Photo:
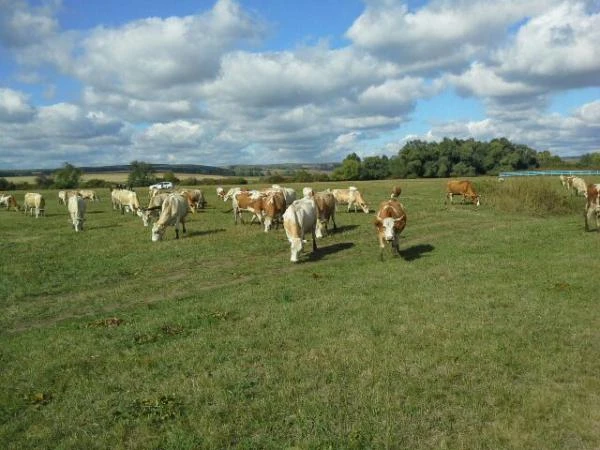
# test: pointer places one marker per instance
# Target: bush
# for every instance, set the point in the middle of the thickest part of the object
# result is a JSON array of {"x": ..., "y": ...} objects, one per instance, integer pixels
[{"x": 536, "y": 196}]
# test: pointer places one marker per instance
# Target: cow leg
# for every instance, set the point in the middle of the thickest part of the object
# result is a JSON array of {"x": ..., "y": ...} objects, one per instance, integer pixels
[
  {"x": 183, "y": 226},
  {"x": 314, "y": 238}
]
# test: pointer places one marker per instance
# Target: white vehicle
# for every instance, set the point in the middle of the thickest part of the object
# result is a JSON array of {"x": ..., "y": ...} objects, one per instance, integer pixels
[{"x": 162, "y": 185}]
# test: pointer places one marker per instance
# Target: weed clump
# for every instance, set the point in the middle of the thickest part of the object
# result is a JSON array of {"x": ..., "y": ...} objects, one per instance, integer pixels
[{"x": 534, "y": 196}]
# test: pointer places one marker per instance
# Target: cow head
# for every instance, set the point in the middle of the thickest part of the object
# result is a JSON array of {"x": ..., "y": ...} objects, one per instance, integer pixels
[
  {"x": 475, "y": 199},
  {"x": 321, "y": 229},
  {"x": 158, "y": 232},
  {"x": 388, "y": 227},
  {"x": 78, "y": 224}
]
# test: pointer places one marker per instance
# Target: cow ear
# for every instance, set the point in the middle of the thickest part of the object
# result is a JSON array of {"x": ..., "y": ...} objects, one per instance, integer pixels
[{"x": 377, "y": 222}]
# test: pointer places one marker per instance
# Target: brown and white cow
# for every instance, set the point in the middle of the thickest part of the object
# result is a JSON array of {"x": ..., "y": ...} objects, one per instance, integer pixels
[
  {"x": 351, "y": 197},
  {"x": 325, "y": 201},
  {"x": 592, "y": 205},
  {"x": 389, "y": 223},
  {"x": 272, "y": 207},
  {"x": 396, "y": 191},
  {"x": 76, "y": 207},
  {"x": 9, "y": 201},
  {"x": 463, "y": 188},
  {"x": 242, "y": 200},
  {"x": 173, "y": 212},
  {"x": 299, "y": 219},
  {"x": 195, "y": 199},
  {"x": 34, "y": 201}
]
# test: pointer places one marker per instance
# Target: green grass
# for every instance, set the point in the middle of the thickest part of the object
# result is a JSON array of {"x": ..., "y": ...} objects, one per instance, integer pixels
[{"x": 484, "y": 333}]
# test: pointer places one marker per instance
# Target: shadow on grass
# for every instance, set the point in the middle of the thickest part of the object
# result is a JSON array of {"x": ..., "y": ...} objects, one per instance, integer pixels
[
  {"x": 205, "y": 232},
  {"x": 342, "y": 229},
  {"x": 94, "y": 227},
  {"x": 416, "y": 251},
  {"x": 329, "y": 250}
]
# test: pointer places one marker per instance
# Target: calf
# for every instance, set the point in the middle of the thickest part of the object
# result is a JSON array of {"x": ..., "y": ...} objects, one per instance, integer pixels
[
  {"x": 76, "y": 207},
  {"x": 300, "y": 218},
  {"x": 325, "y": 202},
  {"x": 592, "y": 205},
  {"x": 461, "y": 187},
  {"x": 389, "y": 223},
  {"x": 34, "y": 201},
  {"x": 173, "y": 212}
]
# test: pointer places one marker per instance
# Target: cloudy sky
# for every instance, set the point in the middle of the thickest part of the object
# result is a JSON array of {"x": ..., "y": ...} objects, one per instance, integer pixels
[{"x": 222, "y": 82}]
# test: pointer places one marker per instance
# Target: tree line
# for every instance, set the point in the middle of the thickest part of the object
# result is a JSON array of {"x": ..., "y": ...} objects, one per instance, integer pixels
[{"x": 416, "y": 159}]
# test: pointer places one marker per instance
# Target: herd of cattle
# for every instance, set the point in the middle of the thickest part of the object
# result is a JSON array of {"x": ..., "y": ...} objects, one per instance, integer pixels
[{"x": 310, "y": 214}]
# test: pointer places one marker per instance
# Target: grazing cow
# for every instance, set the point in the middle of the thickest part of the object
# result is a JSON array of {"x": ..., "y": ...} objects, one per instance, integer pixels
[
  {"x": 272, "y": 208},
  {"x": 220, "y": 192},
  {"x": 563, "y": 181},
  {"x": 34, "y": 201},
  {"x": 351, "y": 197},
  {"x": 195, "y": 199},
  {"x": 396, "y": 191},
  {"x": 461, "y": 187},
  {"x": 325, "y": 202},
  {"x": 9, "y": 201},
  {"x": 62, "y": 197},
  {"x": 173, "y": 212},
  {"x": 123, "y": 198},
  {"x": 579, "y": 186},
  {"x": 389, "y": 223},
  {"x": 152, "y": 211},
  {"x": 592, "y": 205},
  {"x": 76, "y": 207},
  {"x": 300, "y": 218},
  {"x": 88, "y": 194}
]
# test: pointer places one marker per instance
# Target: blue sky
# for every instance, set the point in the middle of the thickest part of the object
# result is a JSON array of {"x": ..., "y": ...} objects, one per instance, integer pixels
[{"x": 226, "y": 82}]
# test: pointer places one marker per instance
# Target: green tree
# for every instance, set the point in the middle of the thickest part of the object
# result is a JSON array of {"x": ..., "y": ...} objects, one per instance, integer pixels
[
  {"x": 349, "y": 170},
  {"x": 547, "y": 159},
  {"x": 68, "y": 177},
  {"x": 43, "y": 181},
  {"x": 170, "y": 176},
  {"x": 141, "y": 174},
  {"x": 375, "y": 168}
]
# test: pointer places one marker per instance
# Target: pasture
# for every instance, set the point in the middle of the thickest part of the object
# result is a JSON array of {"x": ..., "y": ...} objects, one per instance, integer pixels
[{"x": 483, "y": 333}]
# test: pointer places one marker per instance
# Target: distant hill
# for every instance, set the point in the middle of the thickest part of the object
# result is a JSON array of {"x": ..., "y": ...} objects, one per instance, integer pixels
[
  {"x": 231, "y": 170},
  {"x": 180, "y": 168}
]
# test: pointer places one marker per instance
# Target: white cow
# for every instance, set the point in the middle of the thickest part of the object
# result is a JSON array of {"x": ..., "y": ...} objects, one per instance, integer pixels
[
  {"x": 34, "y": 201},
  {"x": 76, "y": 207},
  {"x": 89, "y": 194},
  {"x": 288, "y": 193},
  {"x": 173, "y": 212},
  {"x": 9, "y": 201},
  {"x": 123, "y": 198},
  {"x": 152, "y": 211},
  {"x": 579, "y": 186},
  {"x": 300, "y": 218},
  {"x": 352, "y": 197}
]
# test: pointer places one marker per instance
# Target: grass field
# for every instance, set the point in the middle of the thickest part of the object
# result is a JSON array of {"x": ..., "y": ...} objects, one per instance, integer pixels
[{"x": 484, "y": 333}]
